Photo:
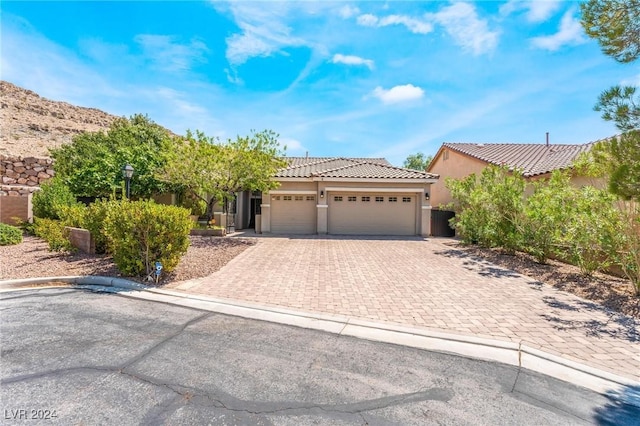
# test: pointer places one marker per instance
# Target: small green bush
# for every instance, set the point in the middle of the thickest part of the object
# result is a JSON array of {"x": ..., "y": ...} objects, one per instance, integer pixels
[
  {"x": 53, "y": 232},
  {"x": 141, "y": 233},
  {"x": 49, "y": 201},
  {"x": 9, "y": 235},
  {"x": 94, "y": 222}
]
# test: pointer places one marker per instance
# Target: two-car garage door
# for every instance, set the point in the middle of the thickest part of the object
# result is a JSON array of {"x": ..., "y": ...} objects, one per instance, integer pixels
[
  {"x": 349, "y": 213},
  {"x": 372, "y": 213}
]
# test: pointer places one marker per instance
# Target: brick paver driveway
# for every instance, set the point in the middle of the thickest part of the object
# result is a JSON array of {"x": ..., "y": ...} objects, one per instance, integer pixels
[{"x": 426, "y": 283}]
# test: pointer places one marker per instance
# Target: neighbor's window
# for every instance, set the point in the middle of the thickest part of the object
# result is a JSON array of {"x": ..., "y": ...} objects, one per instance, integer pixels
[
  {"x": 311, "y": 197},
  {"x": 337, "y": 198},
  {"x": 275, "y": 197},
  {"x": 299, "y": 198},
  {"x": 366, "y": 199},
  {"x": 286, "y": 197},
  {"x": 393, "y": 199},
  {"x": 379, "y": 199},
  {"x": 445, "y": 155},
  {"x": 406, "y": 199},
  {"x": 352, "y": 198}
]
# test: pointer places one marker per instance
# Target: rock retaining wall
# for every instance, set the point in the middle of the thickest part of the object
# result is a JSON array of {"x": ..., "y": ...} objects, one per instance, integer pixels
[{"x": 25, "y": 171}]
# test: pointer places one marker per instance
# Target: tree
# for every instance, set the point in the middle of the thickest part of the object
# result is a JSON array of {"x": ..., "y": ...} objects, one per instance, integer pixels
[
  {"x": 91, "y": 165},
  {"x": 417, "y": 161},
  {"x": 214, "y": 171},
  {"x": 620, "y": 105},
  {"x": 616, "y": 26}
]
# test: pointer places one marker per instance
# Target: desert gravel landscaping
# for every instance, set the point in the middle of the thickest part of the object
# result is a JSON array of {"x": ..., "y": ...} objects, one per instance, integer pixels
[{"x": 32, "y": 259}]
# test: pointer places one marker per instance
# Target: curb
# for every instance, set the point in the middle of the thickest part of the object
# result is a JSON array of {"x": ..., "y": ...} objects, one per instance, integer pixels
[{"x": 506, "y": 352}]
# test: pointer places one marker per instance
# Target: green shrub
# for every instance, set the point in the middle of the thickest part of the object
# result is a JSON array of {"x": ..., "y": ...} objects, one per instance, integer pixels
[
  {"x": 141, "y": 233},
  {"x": 94, "y": 222},
  {"x": 489, "y": 208},
  {"x": 53, "y": 196},
  {"x": 9, "y": 235},
  {"x": 547, "y": 212},
  {"x": 53, "y": 232}
]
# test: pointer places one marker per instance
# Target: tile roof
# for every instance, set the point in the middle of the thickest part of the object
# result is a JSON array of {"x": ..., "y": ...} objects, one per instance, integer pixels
[
  {"x": 532, "y": 159},
  {"x": 338, "y": 167}
]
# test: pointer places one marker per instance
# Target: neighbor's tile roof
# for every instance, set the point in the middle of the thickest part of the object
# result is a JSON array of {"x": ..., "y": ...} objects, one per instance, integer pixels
[
  {"x": 368, "y": 168},
  {"x": 532, "y": 159}
]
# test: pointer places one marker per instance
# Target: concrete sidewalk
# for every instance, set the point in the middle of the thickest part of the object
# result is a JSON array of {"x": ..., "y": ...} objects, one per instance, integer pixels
[{"x": 427, "y": 284}]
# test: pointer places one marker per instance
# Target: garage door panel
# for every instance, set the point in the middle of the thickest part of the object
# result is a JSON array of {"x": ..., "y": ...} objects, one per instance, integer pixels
[
  {"x": 293, "y": 214},
  {"x": 372, "y": 214}
]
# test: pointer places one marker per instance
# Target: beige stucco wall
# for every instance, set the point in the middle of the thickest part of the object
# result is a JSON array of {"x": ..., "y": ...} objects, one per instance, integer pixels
[{"x": 456, "y": 166}]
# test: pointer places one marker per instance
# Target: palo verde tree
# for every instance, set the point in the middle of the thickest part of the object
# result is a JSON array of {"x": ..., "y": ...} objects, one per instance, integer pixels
[
  {"x": 213, "y": 171},
  {"x": 91, "y": 165},
  {"x": 418, "y": 161}
]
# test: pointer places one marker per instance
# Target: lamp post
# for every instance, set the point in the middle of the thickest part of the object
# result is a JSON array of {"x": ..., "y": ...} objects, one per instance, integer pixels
[{"x": 127, "y": 172}]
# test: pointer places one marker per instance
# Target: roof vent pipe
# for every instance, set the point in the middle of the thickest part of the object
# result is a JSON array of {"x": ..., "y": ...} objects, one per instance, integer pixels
[{"x": 547, "y": 138}]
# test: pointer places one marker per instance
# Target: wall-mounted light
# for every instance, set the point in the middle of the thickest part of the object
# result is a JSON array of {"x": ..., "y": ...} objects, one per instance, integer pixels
[
  {"x": 426, "y": 195},
  {"x": 321, "y": 194}
]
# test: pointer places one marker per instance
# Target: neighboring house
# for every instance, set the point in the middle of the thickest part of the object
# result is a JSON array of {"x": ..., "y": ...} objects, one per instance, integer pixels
[
  {"x": 536, "y": 161},
  {"x": 348, "y": 196}
]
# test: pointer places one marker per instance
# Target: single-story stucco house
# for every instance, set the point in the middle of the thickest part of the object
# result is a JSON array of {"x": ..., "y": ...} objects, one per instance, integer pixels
[
  {"x": 536, "y": 161},
  {"x": 345, "y": 196}
]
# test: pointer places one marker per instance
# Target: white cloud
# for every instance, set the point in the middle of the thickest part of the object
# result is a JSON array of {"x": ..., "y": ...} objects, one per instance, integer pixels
[
  {"x": 294, "y": 147},
  {"x": 397, "y": 94},
  {"x": 367, "y": 20},
  {"x": 414, "y": 25},
  {"x": 537, "y": 11},
  {"x": 169, "y": 55},
  {"x": 348, "y": 11},
  {"x": 263, "y": 30},
  {"x": 352, "y": 60},
  {"x": 570, "y": 32},
  {"x": 462, "y": 23}
]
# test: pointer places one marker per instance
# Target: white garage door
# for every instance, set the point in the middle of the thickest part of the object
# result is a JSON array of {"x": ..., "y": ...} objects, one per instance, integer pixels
[
  {"x": 372, "y": 214},
  {"x": 293, "y": 214}
]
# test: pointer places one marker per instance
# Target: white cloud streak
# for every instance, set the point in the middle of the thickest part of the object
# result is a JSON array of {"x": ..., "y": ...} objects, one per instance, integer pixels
[
  {"x": 461, "y": 22},
  {"x": 168, "y": 55},
  {"x": 398, "y": 94},
  {"x": 352, "y": 60},
  {"x": 414, "y": 25},
  {"x": 537, "y": 11},
  {"x": 569, "y": 33},
  {"x": 348, "y": 11}
]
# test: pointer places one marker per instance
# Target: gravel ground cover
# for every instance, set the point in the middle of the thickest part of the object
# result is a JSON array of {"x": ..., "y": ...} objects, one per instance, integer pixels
[{"x": 32, "y": 259}]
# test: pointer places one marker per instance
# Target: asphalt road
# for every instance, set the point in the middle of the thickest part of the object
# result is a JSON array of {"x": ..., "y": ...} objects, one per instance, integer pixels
[{"x": 97, "y": 358}]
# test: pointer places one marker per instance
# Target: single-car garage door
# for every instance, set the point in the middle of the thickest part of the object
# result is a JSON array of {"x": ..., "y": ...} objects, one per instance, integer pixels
[
  {"x": 372, "y": 214},
  {"x": 293, "y": 214}
]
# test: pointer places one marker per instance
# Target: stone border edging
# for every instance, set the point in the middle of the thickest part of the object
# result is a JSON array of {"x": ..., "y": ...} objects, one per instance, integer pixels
[{"x": 511, "y": 353}]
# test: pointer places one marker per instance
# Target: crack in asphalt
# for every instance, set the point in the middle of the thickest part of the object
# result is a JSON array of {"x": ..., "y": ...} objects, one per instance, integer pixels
[{"x": 159, "y": 344}]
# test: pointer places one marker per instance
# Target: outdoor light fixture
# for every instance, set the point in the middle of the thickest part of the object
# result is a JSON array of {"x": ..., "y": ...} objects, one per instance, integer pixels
[
  {"x": 426, "y": 195},
  {"x": 127, "y": 172},
  {"x": 321, "y": 194}
]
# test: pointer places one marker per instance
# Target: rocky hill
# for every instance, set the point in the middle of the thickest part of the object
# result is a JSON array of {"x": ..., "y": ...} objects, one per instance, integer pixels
[{"x": 31, "y": 124}]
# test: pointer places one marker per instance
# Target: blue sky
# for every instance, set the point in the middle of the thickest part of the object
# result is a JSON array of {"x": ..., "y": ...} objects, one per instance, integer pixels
[{"x": 332, "y": 78}]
